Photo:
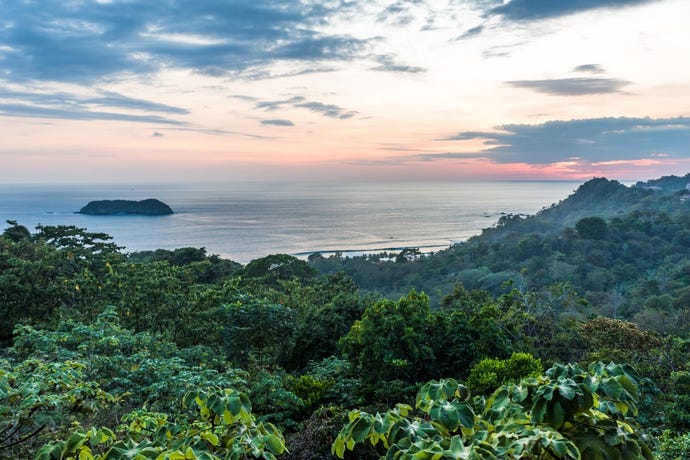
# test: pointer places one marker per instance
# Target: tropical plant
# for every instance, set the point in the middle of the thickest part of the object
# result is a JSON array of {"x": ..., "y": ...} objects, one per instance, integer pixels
[
  {"x": 224, "y": 428},
  {"x": 569, "y": 413},
  {"x": 38, "y": 397}
]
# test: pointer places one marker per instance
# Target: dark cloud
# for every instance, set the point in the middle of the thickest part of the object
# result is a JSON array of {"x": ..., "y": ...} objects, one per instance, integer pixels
[
  {"x": 417, "y": 158},
  {"x": 270, "y": 106},
  {"x": 84, "y": 42},
  {"x": 589, "y": 68},
  {"x": 399, "y": 13},
  {"x": 157, "y": 134},
  {"x": 110, "y": 99},
  {"x": 263, "y": 73},
  {"x": 327, "y": 110},
  {"x": 243, "y": 97},
  {"x": 277, "y": 122},
  {"x": 572, "y": 86},
  {"x": 69, "y": 113},
  {"x": 528, "y": 10},
  {"x": 80, "y": 107},
  {"x": 311, "y": 47},
  {"x": 387, "y": 63},
  {"x": 597, "y": 139},
  {"x": 473, "y": 32}
]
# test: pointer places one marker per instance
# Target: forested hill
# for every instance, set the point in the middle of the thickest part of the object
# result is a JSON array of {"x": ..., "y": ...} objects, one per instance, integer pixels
[
  {"x": 667, "y": 183},
  {"x": 603, "y": 198},
  {"x": 624, "y": 249}
]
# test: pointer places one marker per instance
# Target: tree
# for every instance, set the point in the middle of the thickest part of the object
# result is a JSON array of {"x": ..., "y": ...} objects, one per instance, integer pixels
[
  {"x": 490, "y": 373},
  {"x": 16, "y": 232},
  {"x": 255, "y": 332},
  {"x": 593, "y": 228},
  {"x": 270, "y": 270},
  {"x": 142, "y": 368},
  {"x": 616, "y": 339},
  {"x": 392, "y": 341}
]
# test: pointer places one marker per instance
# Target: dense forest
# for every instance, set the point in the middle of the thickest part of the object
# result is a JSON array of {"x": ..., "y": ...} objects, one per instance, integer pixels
[{"x": 561, "y": 335}]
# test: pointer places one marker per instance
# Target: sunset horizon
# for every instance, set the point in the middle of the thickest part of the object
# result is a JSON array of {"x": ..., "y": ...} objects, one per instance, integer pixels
[{"x": 128, "y": 91}]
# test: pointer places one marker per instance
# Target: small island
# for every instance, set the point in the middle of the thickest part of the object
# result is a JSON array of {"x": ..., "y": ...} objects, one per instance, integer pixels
[{"x": 149, "y": 207}]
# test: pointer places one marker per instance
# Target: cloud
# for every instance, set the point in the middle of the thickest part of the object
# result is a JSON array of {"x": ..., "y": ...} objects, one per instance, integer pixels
[
  {"x": 220, "y": 132},
  {"x": 589, "y": 68},
  {"x": 529, "y": 10},
  {"x": 387, "y": 63},
  {"x": 270, "y": 106},
  {"x": 277, "y": 122},
  {"x": 327, "y": 110},
  {"x": 593, "y": 140},
  {"x": 87, "y": 42},
  {"x": 265, "y": 73},
  {"x": 399, "y": 13},
  {"x": 65, "y": 105},
  {"x": 31, "y": 111},
  {"x": 243, "y": 97},
  {"x": 111, "y": 99},
  {"x": 473, "y": 32},
  {"x": 572, "y": 86},
  {"x": 101, "y": 98},
  {"x": 417, "y": 158},
  {"x": 157, "y": 134},
  {"x": 503, "y": 50}
]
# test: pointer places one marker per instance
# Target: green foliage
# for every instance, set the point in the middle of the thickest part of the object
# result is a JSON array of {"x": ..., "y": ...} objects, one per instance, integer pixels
[
  {"x": 678, "y": 406},
  {"x": 621, "y": 262},
  {"x": 490, "y": 373},
  {"x": 207, "y": 269},
  {"x": 16, "y": 232},
  {"x": 617, "y": 339},
  {"x": 570, "y": 413},
  {"x": 150, "y": 327},
  {"x": 392, "y": 340},
  {"x": 255, "y": 332},
  {"x": 223, "y": 428},
  {"x": 148, "y": 370},
  {"x": 593, "y": 228},
  {"x": 310, "y": 389},
  {"x": 37, "y": 398},
  {"x": 344, "y": 388},
  {"x": 672, "y": 447},
  {"x": 487, "y": 375},
  {"x": 313, "y": 441},
  {"x": 273, "y": 400},
  {"x": 522, "y": 365},
  {"x": 325, "y": 312},
  {"x": 270, "y": 270}
]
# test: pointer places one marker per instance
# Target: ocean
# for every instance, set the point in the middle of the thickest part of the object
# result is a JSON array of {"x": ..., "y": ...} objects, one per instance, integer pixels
[{"x": 244, "y": 221}]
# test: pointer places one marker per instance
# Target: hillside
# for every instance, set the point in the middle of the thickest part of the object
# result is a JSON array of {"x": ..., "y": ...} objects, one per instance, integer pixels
[{"x": 625, "y": 249}]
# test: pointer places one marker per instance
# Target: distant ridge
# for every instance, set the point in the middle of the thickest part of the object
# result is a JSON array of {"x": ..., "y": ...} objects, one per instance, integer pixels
[
  {"x": 149, "y": 207},
  {"x": 598, "y": 197}
]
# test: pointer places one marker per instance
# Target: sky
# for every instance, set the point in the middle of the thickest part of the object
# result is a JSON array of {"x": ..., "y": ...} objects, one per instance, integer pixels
[{"x": 233, "y": 90}]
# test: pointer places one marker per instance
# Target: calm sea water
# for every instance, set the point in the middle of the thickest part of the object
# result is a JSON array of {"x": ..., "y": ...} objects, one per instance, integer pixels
[{"x": 243, "y": 221}]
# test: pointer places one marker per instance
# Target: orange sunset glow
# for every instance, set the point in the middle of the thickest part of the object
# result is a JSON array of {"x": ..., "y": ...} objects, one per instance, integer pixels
[{"x": 433, "y": 89}]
